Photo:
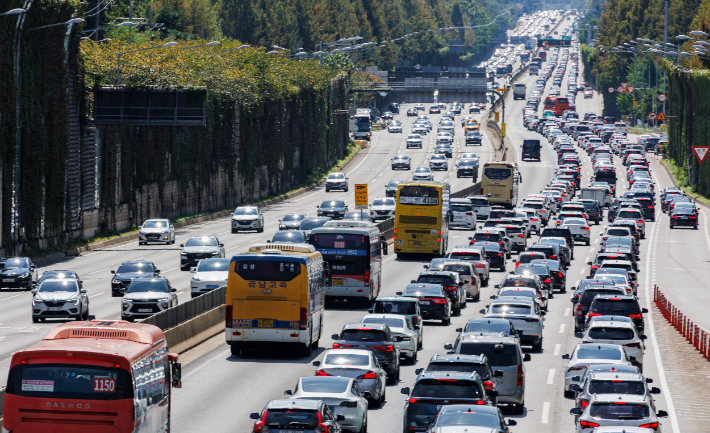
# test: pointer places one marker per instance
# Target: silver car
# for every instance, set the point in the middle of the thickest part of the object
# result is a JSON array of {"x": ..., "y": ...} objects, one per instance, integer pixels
[
  {"x": 612, "y": 382},
  {"x": 475, "y": 255},
  {"x": 146, "y": 296},
  {"x": 438, "y": 161},
  {"x": 587, "y": 354},
  {"x": 200, "y": 247},
  {"x": 414, "y": 140},
  {"x": 59, "y": 298},
  {"x": 210, "y": 274},
  {"x": 618, "y": 410},
  {"x": 336, "y": 181},
  {"x": 524, "y": 313},
  {"x": 423, "y": 173},
  {"x": 402, "y": 330},
  {"x": 467, "y": 274},
  {"x": 341, "y": 394},
  {"x": 247, "y": 218},
  {"x": 156, "y": 230},
  {"x": 382, "y": 208},
  {"x": 616, "y": 330},
  {"x": 361, "y": 365}
]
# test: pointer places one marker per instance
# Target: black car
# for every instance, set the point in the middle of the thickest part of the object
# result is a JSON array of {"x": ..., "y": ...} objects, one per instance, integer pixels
[
  {"x": 128, "y": 271},
  {"x": 391, "y": 188},
  {"x": 585, "y": 294},
  {"x": 394, "y": 107},
  {"x": 412, "y": 112},
  {"x": 559, "y": 232},
  {"x": 375, "y": 337},
  {"x": 495, "y": 254},
  {"x": 473, "y": 137},
  {"x": 387, "y": 115},
  {"x": 531, "y": 150},
  {"x": 648, "y": 207},
  {"x": 467, "y": 364},
  {"x": 618, "y": 305},
  {"x": 594, "y": 210},
  {"x": 17, "y": 273},
  {"x": 445, "y": 149},
  {"x": 291, "y": 221},
  {"x": 434, "y": 109},
  {"x": 467, "y": 168},
  {"x": 682, "y": 216},
  {"x": 557, "y": 274},
  {"x": 290, "y": 236},
  {"x": 432, "y": 390},
  {"x": 541, "y": 270},
  {"x": 401, "y": 162},
  {"x": 335, "y": 209},
  {"x": 311, "y": 223},
  {"x": 453, "y": 287},
  {"x": 433, "y": 301}
]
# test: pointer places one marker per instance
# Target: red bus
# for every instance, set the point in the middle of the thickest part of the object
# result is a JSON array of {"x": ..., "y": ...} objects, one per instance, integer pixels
[
  {"x": 94, "y": 377},
  {"x": 549, "y": 103},
  {"x": 561, "y": 105},
  {"x": 542, "y": 55}
]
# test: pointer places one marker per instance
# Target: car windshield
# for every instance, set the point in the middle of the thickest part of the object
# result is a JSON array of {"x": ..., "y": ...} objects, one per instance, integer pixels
[
  {"x": 423, "y": 291},
  {"x": 333, "y": 384},
  {"x": 499, "y": 355},
  {"x": 434, "y": 388},
  {"x": 414, "y": 137},
  {"x": 619, "y": 411},
  {"x": 288, "y": 236},
  {"x": 346, "y": 359},
  {"x": 363, "y": 334},
  {"x": 201, "y": 242},
  {"x": 591, "y": 352},
  {"x": 487, "y": 327},
  {"x": 608, "y": 333},
  {"x": 16, "y": 263},
  {"x": 422, "y": 170},
  {"x": 384, "y": 202},
  {"x": 140, "y": 286},
  {"x": 462, "y": 367},
  {"x": 290, "y": 417},
  {"x": 332, "y": 204},
  {"x": 524, "y": 293},
  {"x": 510, "y": 309},
  {"x": 311, "y": 224},
  {"x": 134, "y": 268},
  {"x": 155, "y": 225},
  {"x": 57, "y": 275},
  {"x": 246, "y": 211},
  {"x": 336, "y": 176},
  {"x": 394, "y": 183},
  {"x": 440, "y": 157},
  {"x": 293, "y": 217},
  {"x": 391, "y": 322},
  {"x": 58, "y": 286},
  {"x": 395, "y": 307},
  {"x": 616, "y": 387},
  {"x": 214, "y": 265}
]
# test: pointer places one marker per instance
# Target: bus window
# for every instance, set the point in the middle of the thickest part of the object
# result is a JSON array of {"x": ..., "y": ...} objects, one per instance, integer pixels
[
  {"x": 69, "y": 381},
  {"x": 497, "y": 173}
]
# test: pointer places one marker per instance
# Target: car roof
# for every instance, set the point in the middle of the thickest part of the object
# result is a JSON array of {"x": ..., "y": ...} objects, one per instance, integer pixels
[
  {"x": 616, "y": 375},
  {"x": 377, "y": 326},
  {"x": 488, "y": 338},
  {"x": 449, "y": 375},
  {"x": 142, "y": 262},
  {"x": 617, "y": 297},
  {"x": 384, "y": 316},
  {"x": 618, "y": 398},
  {"x": 295, "y": 403},
  {"x": 347, "y": 352},
  {"x": 397, "y": 298}
]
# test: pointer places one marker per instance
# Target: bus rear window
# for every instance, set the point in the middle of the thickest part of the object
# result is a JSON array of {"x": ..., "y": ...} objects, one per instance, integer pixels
[
  {"x": 333, "y": 240},
  {"x": 419, "y": 195},
  {"x": 263, "y": 270},
  {"x": 497, "y": 173},
  {"x": 69, "y": 381}
]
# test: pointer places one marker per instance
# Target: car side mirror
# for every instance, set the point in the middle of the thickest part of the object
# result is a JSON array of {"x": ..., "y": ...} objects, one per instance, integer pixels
[
  {"x": 649, "y": 380},
  {"x": 193, "y": 270},
  {"x": 655, "y": 390},
  {"x": 288, "y": 392},
  {"x": 565, "y": 356},
  {"x": 643, "y": 337},
  {"x": 662, "y": 414},
  {"x": 113, "y": 272},
  {"x": 527, "y": 357},
  {"x": 398, "y": 293},
  {"x": 644, "y": 310},
  {"x": 574, "y": 387},
  {"x": 448, "y": 346},
  {"x": 173, "y": 289},
  {"x": 497, "y": 286},
  {"x": 34, "y": 291},
  {"x": 182, "y": 245},
  {"x": 254, "y": 415},
  {"x": 460, "y": 283},
  {"x": 498, "y": 373},
  {"x": 413, "y": 281},
  {"x": 157, "y": 271},
  {"x": 221, "y": 245},
  {"x": 83, "y": 291},
  {"x": 512, "y": 422},
  {"x": 405, "y": 390},
  {"x": 418, "y": 371},
  {"x": 459, "y": 329},
  {"x": 575, "y": 411},
  {"x": 335, "y": 337}
]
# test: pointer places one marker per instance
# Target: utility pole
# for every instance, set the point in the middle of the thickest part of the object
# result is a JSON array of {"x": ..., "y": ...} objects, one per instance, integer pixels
[
  {"x": 665, "y": 48},
  {"x": 98, "y": 23},
  {"x": 130, "y": 18}
]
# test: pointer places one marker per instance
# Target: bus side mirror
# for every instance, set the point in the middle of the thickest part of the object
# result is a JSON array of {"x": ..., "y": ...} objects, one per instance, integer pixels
[
  {"x": 176, "y": 374},
  {"x": 384, "y": 247}
]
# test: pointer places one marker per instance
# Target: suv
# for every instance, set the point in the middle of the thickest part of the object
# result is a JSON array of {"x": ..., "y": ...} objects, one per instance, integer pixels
[
  {"x": 493, "y": 234},
  {"x": 336, "y": 181},
  {"x": 524, "y": 312},
  {"x": 611, "y": 382},
  {"x": 309, "y": 415},
  {"x": 481, "y": 206},
  {"x": 466, "y": 364},
  {"x": 477, "y": 257},
  {"x": 504, "y": 354},
  {"x": 451, "y": 282},
  {"x": 247, "y": 218},
  {"x": 431, "y": 390},
  {"x": 375, "y": 337},
  {"x": 56, "y": 298},
  {"x": 462, "y": 214},
  {"x": 434, "y": 302},
  {"x": 128, "y": 271},
  {"x": 618, "y": 305},
  {"x": 198, "y": 248},
  {"x": 408, "y": 307},
  {"x": 594, "y": 210},
  {"x": 619, "y": 411},
  {"x": 146, "y": 296},
  {"x": 156, "y": 230},
  {"x": 467, "y": 274}
]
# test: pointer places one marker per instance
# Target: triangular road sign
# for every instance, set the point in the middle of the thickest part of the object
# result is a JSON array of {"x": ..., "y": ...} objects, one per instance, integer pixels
[
  {"x": 700, "y": 152},
  {"x": 661, "y": 116},
  {"x": 630, "y": 89}
]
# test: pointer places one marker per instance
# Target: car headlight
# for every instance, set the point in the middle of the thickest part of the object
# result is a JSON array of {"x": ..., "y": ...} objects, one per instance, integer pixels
[
  {"x": 73, "y": 301},
  {"x": 23, "y": 275},
  {"x": 195, "y": 279},
  {"x": 183, "y": 253},
  {"x": 163, "y": 300},
  {"x": 141, "y": 232},
  {"x": 215, "y": 252},
  {"x": 166, "y": 232},
  {"x": 115, "y": 281},
  {"x": 37, "y": 301},
  {"x": 126, "y": 304}
]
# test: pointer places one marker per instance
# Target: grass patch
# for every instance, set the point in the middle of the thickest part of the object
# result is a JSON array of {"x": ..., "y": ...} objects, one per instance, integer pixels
[
  {"x": 640, "y": 130},
  {"x": 680, "y": 175}
]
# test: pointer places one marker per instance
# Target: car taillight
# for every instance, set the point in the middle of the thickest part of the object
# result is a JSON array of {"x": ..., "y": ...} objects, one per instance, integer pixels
[
  {"x": 412, "y": 400},
  {"x": 487, "y": 384},
  {"x": 534, "y": 219},
  {"x": 586, "y": 228},
  {"x": 304, "y": 318},
  {"x": 384, "y": 348},
  {"x": 635, "y": 316},
  {"x": 449, "y": 288},
  {"x": 559, "y": 274},
  {"x": 635, "y": 345},
  {"x": 469, "y": 213},
  {"x": 511, "y": 193},
  {"x": 553, "y": 256},
  {"x": 587, "y": 424},
  {"x": 520, "y": 235},
  {"x": 415, "y": 320},
  {"x": 639, "y": 221},
  {"x": 649, "y": 206},
  {"x": 521, "y": 375},
  {"x": 594, "y": 314},
  {"x": 583, "y": 402},
  {"x": 479, "y": 265},
  {"x": 324, "y": 428},
  {"x": 692, "y": 217},
  {"x": 322, "y": 373},
  {"x": 368, "y": 375},
  {"x": 439, "y": 301},
  {"x": 228, "y": 317},
  {"x": 653, "y": 425},
  {"x": 341, "y": 346},
  {"x": 547, "y": 280},
  {"x": 674, "y": 217}
]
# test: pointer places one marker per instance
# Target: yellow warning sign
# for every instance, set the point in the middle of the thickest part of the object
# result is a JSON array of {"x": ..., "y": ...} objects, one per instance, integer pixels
[
  {"x": 502, "y": 90},
  {"x": 502, "y": 129},
  {"x": 661, "y": 116},
  {"x": 361, "y": 196},
  {"x": 497, "y": 116}
]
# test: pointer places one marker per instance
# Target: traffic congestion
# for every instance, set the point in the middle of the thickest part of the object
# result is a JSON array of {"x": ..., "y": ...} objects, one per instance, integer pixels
[{"x": 517, "y": 306}]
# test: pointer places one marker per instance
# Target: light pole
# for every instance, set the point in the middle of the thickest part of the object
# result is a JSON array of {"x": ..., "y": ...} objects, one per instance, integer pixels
[
  {"x": 229, "y": 49},
  {"x": 13, "y": 12},
  {"x": 208, "y": 44},
  {"x": 118, "y": 75},
  {"x": 17, "y": 172}
]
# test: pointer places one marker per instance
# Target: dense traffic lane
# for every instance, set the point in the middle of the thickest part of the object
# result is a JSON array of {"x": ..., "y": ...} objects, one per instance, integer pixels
[{"x": 371, "y": 166}]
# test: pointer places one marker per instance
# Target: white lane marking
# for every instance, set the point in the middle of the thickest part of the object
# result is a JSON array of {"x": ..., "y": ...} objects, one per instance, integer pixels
[
  {"x": 545, "y": 412},
  {"x": 591, "y": 250},
  {"x": 567, "y": 311},
  {"x": 562, "y": 328},
  {"x": 171, "y": 269},
  {"x": 181, "y": 291},
  {"x": 98, "y": 294},
  {"x": 96, "y": 272},
  {"x": 219, "y": 355},
  {"x": 551, "y": 376},
  {"x": 581, "y": 271},
  {"x": 10, "y": 297},
  {"x": 377, "y": 137},
  {"x": 586, "y": 259},
  {"x": 138, "y": 258},
  {"x": 231, "y": 248},
  {"x": 656, "y": 350}
]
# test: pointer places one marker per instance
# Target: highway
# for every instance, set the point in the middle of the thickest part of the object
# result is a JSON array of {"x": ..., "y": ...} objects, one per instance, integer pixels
[{"x": 220, "y": 391}]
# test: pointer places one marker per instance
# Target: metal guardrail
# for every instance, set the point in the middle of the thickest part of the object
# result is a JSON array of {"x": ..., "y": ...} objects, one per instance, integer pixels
[
  {"x": 188, "y": 310},
  {"x": 474, "y": 189}
]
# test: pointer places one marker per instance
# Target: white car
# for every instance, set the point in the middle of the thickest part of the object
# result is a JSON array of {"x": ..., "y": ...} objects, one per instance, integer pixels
[
  {"x": 579, "y": 228},
  {"x": 438, "y": 161},
  {"x": 586, "y": 354},
  {"x": 336, "y": 181},
  {"x": 382, "y": 208},
  {"x": 402, "y": 330},
  {"x": 414, "y": 140},
  {"x": 469, "y": 156},
  {"x": 210, "y": 274},
  {"x": 156, "y": 230},
  {"x": 462, "y": 214},
  {"x": 481, "y": 206},
  {"x": 247, "y": 218},
  {"x": 394, "y": 127},
  {"x": 616, "y": 330},
  {"x": 423, "y": 173},
  {"x": 342, "y": 394},
  {"x": 358, "y": 364}
]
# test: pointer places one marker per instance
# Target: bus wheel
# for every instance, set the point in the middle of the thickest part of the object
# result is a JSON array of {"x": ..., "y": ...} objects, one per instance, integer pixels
[
  {"x": 314, "y": 345},
  {"x": 235, "y": 349},
  {"x": 306, "y": 350}
]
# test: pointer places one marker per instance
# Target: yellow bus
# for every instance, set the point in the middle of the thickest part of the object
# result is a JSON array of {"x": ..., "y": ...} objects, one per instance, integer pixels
[
  {"x": 471, "y": 126},
  {"x": 276, "y": 296},
  {"x": 500, "y": 183},
  {"x": 421, "y": 223}
]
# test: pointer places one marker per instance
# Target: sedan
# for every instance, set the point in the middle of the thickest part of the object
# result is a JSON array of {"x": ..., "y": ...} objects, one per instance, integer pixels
[
  {"x": 423, "y": 173},
  {"x": 403, "y": 331},
  {"x": 445, "y": 149},
  {"x": 438, "y": 162},
  {"x": 382, "y": 208},
  {"x": 391, "y": 188},
  {"x": 462, "y": 417},
  {"x": 358, "y": 364},
  {"x": 210, "y": 274},
  {"x": 59, "y": 298},
  {"x": 473, "y": 137},
  {"x": 291, "y": 221},
  {"x": 18, "y": 272},
  {"x": 394, "y": 127},
  {"x": 586, "y": 354},
  {"x": 579, "y": 228},
  {"x": 525, "y": 315},
  {"x": 335, "y": 209},
  {"x": 412, "y": 112},
  {"x": 290, "y": 237},
  {"x": 198, "y": 248},
  {"x": 414, "y": 140}
]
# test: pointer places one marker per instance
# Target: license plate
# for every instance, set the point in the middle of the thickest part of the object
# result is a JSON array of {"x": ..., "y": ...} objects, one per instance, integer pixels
[
  {"x": 55, "y": 309},
  {"x": 424, "y": 302},
  {"x": 145, "y": 310},
  {"x": 266, "y": 323},
  {"x": 7, "y": 280},
  {"x": 417, "y": 243},
  {"x": 212, "y": 286},
  {"x": 289, "y": 431},
  {"x": 338, "y": 281}
]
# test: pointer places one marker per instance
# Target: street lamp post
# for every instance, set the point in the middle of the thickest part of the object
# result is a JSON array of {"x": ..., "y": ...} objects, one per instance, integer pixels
[
  {"x": 229, "y": 49},
  {"x": 118, "y": 74},
  {"x": 208, "y": 44},
  {"x": 13, "y": 12}
]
